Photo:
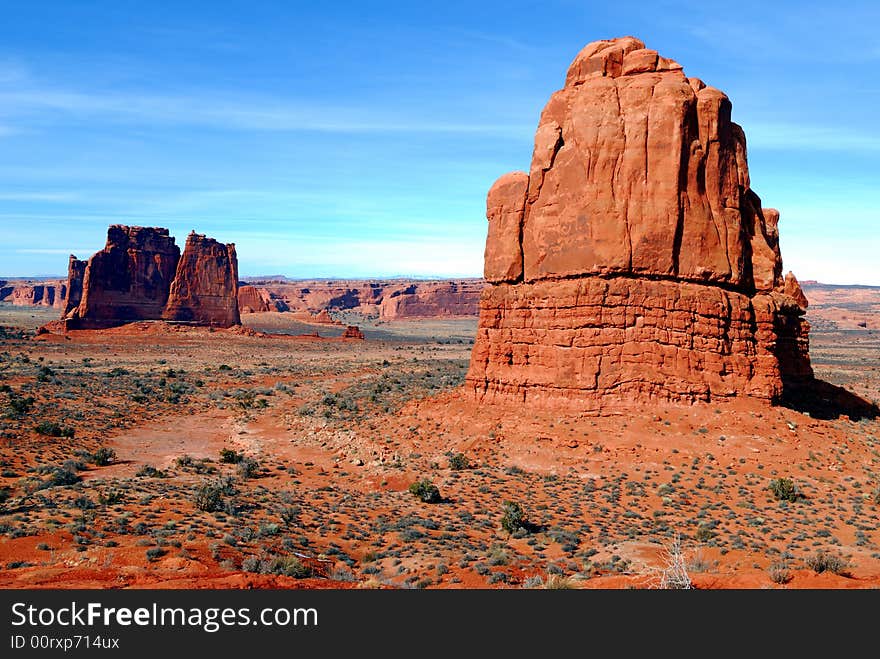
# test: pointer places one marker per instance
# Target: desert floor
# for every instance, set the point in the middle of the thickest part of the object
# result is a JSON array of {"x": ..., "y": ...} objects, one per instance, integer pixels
[{"x": 333, "y": 433}]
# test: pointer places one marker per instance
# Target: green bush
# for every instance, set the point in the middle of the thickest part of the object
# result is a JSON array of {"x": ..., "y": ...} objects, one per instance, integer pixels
[
  {"x": 155, "y": 553},
  {"x": 426, "y": 491},
  {"x": 785, "y": 489},
  {"x": 513, "y": 517},
  {"x": 111, "y": 497},
  {"x": 103, "y": 456},
  {"x": 247, "y": 468},
  {"x": 291, "y": 566},
  {"x": 458, "y": 462},
  {"x": 289, "y": 515},
  {"x": 228, "y": 456},
  {"x": 208, "y": 497},
  {"x": 19, "y": 406},
  {"x": 149, "y": 471},
  {"x": 60, "y": 477},
  {"x": 53, "y": 429}
]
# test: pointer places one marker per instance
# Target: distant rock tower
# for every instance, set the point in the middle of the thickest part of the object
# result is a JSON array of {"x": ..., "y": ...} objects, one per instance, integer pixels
[
  {"x": 634, "y": 261},
  {"x": 140, "y": 275},
  {"x": 205, "y": 288}
]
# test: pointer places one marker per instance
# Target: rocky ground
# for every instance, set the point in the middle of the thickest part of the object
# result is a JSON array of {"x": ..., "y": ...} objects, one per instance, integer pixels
[{"x": 158, "y": 456}]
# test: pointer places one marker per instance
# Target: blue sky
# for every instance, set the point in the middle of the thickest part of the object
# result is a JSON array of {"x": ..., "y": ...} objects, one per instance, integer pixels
[{"x": 359, "y": 138}]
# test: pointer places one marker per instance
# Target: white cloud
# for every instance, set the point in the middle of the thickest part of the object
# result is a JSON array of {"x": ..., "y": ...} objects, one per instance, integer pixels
[
  {"x": 807, "y": 137},
  {"x": 253, "y": 114}
]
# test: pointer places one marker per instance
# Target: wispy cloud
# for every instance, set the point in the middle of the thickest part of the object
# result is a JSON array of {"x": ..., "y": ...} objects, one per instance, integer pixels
[
  {"x": 38, "y": 196},
  {"x": 804, "y": 137},
  {"x": 47, "y": 250},
  {"x": 254, "y": 114}
]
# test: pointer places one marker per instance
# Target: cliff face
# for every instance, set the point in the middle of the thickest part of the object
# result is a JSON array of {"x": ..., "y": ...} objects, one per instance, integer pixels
[
  {"x": 49, "y": 294},
  {"x": 205, "y": 287},
  {"x": 76, "y": 272},
  {"x": 139, "y": 275},
  {"x": 129, "y": 279},
  {"x": 634, "y": 260},
  {"x": 388, "y": 299}
]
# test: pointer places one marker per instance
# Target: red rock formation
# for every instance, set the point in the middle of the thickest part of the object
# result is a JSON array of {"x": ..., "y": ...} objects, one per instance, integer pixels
[
  {"x": 634, "y": 261},
  {"x": 389, "y": 299},
  {"x": 47, "y": 294},
  {"x": 253, "y": 300},
  {"x": 140, "y": 275},
  {"x": 128, "y": 280},
  {"x": 324, "y": 318},
  {"x": 76, "y": 272},
  {"x": 353, "y": 332},
  {"x": 431, "y": 300},
  {"x": 205, "y": 288}
]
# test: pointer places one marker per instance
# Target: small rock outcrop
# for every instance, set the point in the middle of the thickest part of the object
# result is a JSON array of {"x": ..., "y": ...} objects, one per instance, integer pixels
[
  {"x": 634, "y": 260},
  {"x": 353, "y": 332}
]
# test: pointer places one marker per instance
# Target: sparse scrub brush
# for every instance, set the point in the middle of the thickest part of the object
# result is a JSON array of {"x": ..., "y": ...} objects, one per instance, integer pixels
[{"x": 426, "y": 491}]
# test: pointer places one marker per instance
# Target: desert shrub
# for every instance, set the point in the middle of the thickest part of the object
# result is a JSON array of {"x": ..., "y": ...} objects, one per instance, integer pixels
[
  {"x": 291, "y": 566},
  {"x": 512, "y": 518},
  {"x": 149, "y": 471},
  {"x": 103, "y": 456},
  {"x": 876, "y": 496},
  {"x": 705, "y": 532},
  {"x": 73, "y": 465},
  {"x": 247, "y": 468},
  {"x": 536, "y": 581},
  {"x": 18, "y": 406},
  {"x": 342, "y": 574},
  {"x": 155, "y": 553},
  {"x": 269, "y": 529},
  {"x": 189, "y": 463},
  {"x": 425, "y": 491},
  {"x": 4, "y": 496},
  {"x": 53, "y": 429},
  {"x": 558, "y": 582},
  {"x": 784, "y": 489},
  {"x": 111, "y": 497},
  {"x": 289, "y": 515},
  {"x": 458, "y": 462},
  {"x": 823, "y": 562},
  {"x": 208, "y": 497},
  {"x": 779, "y": 573},
  {"x": 83, "y": 503},
  {"x": 228, "y": 456},
  {"x": 60, "y": 477},
  {"x": 498, "y": 556}
]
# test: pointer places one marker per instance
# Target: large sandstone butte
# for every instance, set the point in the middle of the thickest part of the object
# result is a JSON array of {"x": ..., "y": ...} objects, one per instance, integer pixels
[
  {"x": 205, "y": 287},
  {"x": 634, "y": 261},
  {"x": 140, "y": 275}
]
